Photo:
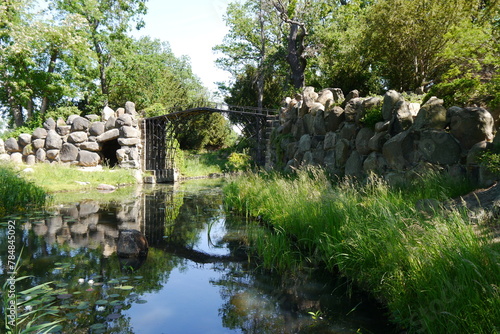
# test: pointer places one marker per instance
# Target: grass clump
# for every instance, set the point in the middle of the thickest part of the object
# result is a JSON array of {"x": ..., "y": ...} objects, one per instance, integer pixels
[
  {"x": 18, "y": 194},
  {"x": 434, "y": 273}
]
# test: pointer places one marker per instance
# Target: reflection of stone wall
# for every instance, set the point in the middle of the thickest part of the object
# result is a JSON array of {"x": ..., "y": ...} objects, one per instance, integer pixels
[
  {"x": 327, "y": 130},
  {"x": 87, "y": 224},
  {"x": 114, "y": 137}
]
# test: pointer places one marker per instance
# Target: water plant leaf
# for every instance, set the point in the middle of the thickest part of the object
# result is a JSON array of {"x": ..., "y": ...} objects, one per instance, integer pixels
[
  {"x": 113, "y": 316},
  {"x": 97, "y": 326},
  {"x": 116, "y": 303},
  {"x": 114, "y": 295},
  {"x": 101, "y": 302},
  {"x": 113, "y": 281},
  {"x": 125, "y": 287},
  {"x": 141, "y": 301},
  {"x": 65, "y": 296},
  {"x": 83, "y": 305}
]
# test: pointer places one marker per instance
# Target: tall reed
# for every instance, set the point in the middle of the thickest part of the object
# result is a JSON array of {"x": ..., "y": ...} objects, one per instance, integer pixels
[{"x": 433, "y": 271}]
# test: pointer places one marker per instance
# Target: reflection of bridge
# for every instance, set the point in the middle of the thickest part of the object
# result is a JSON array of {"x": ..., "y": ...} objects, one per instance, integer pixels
[{"x": 160, "y": 135}]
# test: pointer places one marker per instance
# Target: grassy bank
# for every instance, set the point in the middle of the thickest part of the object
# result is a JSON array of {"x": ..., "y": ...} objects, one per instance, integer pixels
[
  {"x": 18, "y": 194},
  {"x": 433, "y": 271}
]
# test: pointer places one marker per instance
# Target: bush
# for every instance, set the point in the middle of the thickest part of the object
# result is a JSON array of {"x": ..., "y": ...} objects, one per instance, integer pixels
[
  {"x": 238, "y": 162},
  {"x": 459, "y": 92},
  {"x": 372, "y": 116}
]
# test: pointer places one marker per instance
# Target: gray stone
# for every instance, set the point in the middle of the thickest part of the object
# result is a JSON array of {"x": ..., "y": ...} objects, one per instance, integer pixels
[
  {"x": 476, "y": 151},
  {"x": 96, "y": 129},
  {"x": 16, "y": 157},
  {"x": 130, "y": 108},
  {"x": 342, "y": 152},
  {"x": 439, "y": 147},
  {"x": 330, "y": 141},
  {"x": 92, "y": 117},
  {"x": 398, "y": 151},
  {"x": 61, "y": 122},
  {"x": 432, "y": 115},
  {"x": 30, "y": 160},
  {"x": 470, "y": 125},
  {"x": 375, "y": 163},
  {"x": 354, "y": 165},
  {"x": 124, "y": 120},
  {"x": 88, "y": 159},
  {"x": 315, "y": 107},
  {"x": 68, "y": 153},
  {"x": 362, "y": 139},
  {"x": 11, "y": 145},
  {"x": 382, "y": 126},
  {"x": 377, "y": 141},
  {"x": 391, "y": 97},
  {"x": 108, "y": 135},
  {"x": 329, "y": 160},
  {"x": 367, "y": 105},
  {"x": 122, "y": 154},
  {"x": 87, "y": 208},
  {"x": 131, "y": 243},
  {"x": 352, "y": 108},
  {"x": 90, "y": 146},
  {"x": 2, "y": 146},
  {"x": 63, "y": 130},
  {"x": 71, "y": 119},
  {"x": 304, "y": 143},
  {"x": 39, "y": 133},
  {"x": 40, "y": 155},
  {"x": 110, "y": 123},
  {"x": 402, "y": 118},
  {"x": 80, "y": 124},
  {"x": 77, "y": 137},
  {"x": 308, "y": 158},
  {"x": 334, "y": 118},
  {"x": 120, "y": 112},
  {"x": 130, "y": 132},
  {"x": 128, "y": 141},
  {"x": 53, "y": 155},
  {"x": 49, "y": 124},
  {"x": 319, "y": 123},
  {"x": 348, "y": 130},
  {"x": 28, "y": 149},
  {"x": 338, "y": 95},
  {"x": 53, "y": 140},
  {"x": 107, "y": 112},
  {"x": 24, "y": 139},
  {"x": 308, "y": 121},
  {"x": 351, "y": 95},
  {"x": 325, "y": 97},
  {"x": 4, "y": 157}
]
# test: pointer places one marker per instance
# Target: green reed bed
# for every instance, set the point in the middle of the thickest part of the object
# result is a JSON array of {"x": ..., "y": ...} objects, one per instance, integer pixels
[
  {"x": 432, "y": 270},
  {"x": 17, "y": 194}
]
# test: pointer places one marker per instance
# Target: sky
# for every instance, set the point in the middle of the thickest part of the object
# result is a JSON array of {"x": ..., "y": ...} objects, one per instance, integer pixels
[{"x": 192, "y": 28}]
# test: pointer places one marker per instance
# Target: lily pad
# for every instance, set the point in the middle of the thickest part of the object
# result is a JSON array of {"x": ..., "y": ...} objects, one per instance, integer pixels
[
  {"x": 141, "y": 301},
  {"x": 114, "y": 295},
  {"x": 125, "y": 287},
  {"x": 97, "y": 326},
  {"x": 65, "y": 296},
  {"x": 113, "y": 316},
  {"x": 116, "y": 303},
  {"x": 83, "y": 305},
  {"x": 101, "y": 302}
]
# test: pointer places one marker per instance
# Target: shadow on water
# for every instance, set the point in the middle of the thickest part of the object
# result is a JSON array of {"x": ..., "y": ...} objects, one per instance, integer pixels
[{"x": 195, "y": 276}]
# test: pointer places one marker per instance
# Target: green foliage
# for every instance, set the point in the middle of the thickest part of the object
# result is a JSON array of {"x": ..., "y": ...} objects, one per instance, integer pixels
[
  {"x": 425, "y": 268},
  {"x": 459, "y": 92},
  {"x": 206, "y": 131},
  {"x": 372, "y": 116},
  {"x": 18, "y": 194},
  {"x": 238, "y": 162},
  {"x": 491, "y": 160},
  {"x": 63, "y": 112}
]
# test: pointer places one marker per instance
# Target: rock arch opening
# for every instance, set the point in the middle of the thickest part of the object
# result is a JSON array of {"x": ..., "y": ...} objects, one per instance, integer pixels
[{"x": 108, "y": 151}]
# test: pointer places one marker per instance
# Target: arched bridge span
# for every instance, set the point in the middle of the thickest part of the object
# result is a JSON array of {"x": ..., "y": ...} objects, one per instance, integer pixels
[{"x": 160, "y": 135}]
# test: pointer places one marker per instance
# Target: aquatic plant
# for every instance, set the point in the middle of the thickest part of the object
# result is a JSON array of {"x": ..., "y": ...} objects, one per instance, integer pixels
[{"x": 434, "y": 272}]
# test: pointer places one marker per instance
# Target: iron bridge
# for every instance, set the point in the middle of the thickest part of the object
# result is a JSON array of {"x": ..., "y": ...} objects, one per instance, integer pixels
[{"x": 159, "y": 135}]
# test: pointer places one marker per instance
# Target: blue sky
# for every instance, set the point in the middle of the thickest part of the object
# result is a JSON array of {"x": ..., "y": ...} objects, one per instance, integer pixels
[{"x": 192, "y": 27}]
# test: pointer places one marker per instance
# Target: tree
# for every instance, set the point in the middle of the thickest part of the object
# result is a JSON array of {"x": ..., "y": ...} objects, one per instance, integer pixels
[{"x": 107, "y": 22}]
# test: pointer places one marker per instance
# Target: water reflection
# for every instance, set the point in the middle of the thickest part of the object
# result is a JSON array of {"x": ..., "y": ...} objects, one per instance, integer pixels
[{"x": 196, "y": 277}]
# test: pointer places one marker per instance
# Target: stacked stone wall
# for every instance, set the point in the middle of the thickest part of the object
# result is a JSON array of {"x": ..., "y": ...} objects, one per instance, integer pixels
[
  {"x": 325, "y": 129},
  {"x": 80, "y": 140}
]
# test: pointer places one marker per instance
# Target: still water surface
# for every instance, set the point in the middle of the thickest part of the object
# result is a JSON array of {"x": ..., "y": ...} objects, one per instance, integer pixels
[{"x": 196, "y": 278}]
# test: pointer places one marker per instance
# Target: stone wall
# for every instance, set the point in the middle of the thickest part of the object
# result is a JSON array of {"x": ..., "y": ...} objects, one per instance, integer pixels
[
  {"x": 329, "y": 130},
  {"x": 114, "y": 138}
]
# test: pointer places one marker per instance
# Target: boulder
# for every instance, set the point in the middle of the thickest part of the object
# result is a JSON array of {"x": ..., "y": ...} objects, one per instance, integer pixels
[
  {"x": 354, "y": 165},
  {"x": 334, "y": 118},
  {"x": 130, "y": 108},
  {"x": 68, "y": 153},
  {"x": 108, "y": 135},
  {"x": 96, "y": 129},
  {"x": 439, "y": 147},
  {"x": 28, "y": 149},
  {"x": 304, "y": 143},
  {"x": 88, "y": 158},
  {"x": 352, "y": 108},
  {"x": 375, "y": 163},
  {"x": 124, "y": 120},
  {"x": 24, "y": 139},
  {"x": 130, "y": 132},
  {"x": 2, "y": 146},
  {"x": 470, "y": 125},
  {"x": 38, "y": 143},
  {"x": 80, "y": 124},
  {"x": 362, "y": 140},
  {"x": 128, "y": 141},
  {"x": 330, "y": 141},
  {"x": 30, "y": 160},
  {"x": 4, "y": 157},
  {"x": 53, "y": 140},
  {"x": 63, "y": 130},
  {"x": 402, "y": 118},
  {"x": 11, "y": 145},
  {"x": 131, "y": 243},
  {"x": 376, "y": 143},
  {"x": 348, "y": 131},
  {"x": 39, "y": 133},
  {"x": 342, "y": 152},
  {"x": 16, "y": 157},
  {"x": 92, "y": 117},
  {"x": 353, "y": 94},
  {"x": 40, "y": 155},
  {"x": 110, "y": 123},
  {"x": 338, "y": 95},
  {"x": 432, "y": 115},
  {"x": 71, "y": 118},
  {"x": 120, "y": 112},
  {"x": 90, "y": 146},
  {"x": 49, "y": 124},
  {"x": 106, "y": 113},
  {"x": 391, "y": 97},
  {"x": 399, "y": 150},
  {"x": 53, "y": 155},
  {"x": 319, "y": 123},
  {"x": 77, "y": 137},
  {"x": 367, "y": 105}
]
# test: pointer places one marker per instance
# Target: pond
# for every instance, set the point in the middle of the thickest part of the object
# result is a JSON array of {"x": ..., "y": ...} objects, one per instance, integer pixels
[{"x": 197, "y": 276}]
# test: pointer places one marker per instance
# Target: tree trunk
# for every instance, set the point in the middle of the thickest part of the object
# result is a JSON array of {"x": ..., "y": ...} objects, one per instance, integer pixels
[
  {"x": 295, "y": 57},
  {"x": 260, "y": 70},
  {"x": 50, "y": 70}
]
